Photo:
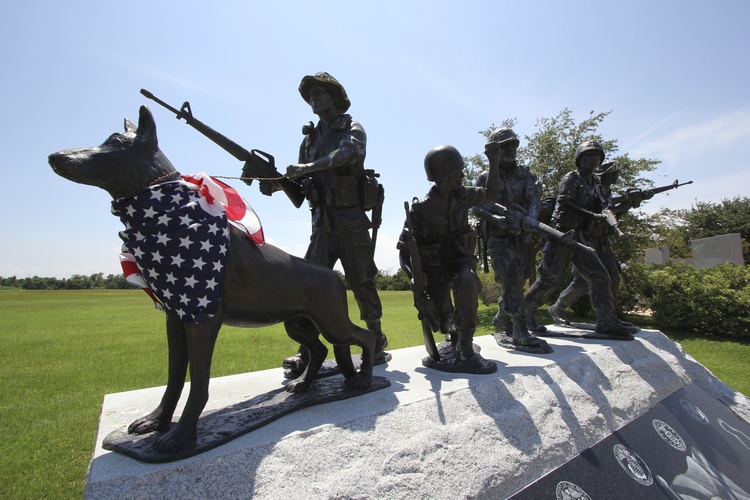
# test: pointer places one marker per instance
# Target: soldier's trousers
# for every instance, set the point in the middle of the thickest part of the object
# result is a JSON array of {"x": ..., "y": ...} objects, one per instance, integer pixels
[
  {"x": 578, "y": 287},
  {"x": 354, "y": 250},
  {"x": 461, "y": 310},
  {"x": 510, "y": 263},
  {"x": 555, "y": 258}
]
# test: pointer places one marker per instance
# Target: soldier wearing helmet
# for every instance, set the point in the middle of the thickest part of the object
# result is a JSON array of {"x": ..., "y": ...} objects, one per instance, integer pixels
[
  {"x": 600, "y": 233},
  {"x": 579, "y": 207},
  {"x": 446, "y": 243},
  {"x": 509, "y": 242},
  {"x": 337, "y": 186}
]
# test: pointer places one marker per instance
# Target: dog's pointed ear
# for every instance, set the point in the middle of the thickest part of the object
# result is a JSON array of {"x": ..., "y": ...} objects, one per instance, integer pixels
[
  {"x": 129, "y": 126},
  {"x": 146, "y": 131}
]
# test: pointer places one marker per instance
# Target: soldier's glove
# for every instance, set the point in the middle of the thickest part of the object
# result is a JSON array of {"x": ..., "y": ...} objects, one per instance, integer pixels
[
  {"x": 501, "y": 221},
  {"x": 636, "y": 197},
  {"x": 297, "y": 170}
]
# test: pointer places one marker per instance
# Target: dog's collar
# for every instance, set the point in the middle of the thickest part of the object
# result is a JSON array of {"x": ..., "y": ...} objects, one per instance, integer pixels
[{"x": 163, "y": 178}]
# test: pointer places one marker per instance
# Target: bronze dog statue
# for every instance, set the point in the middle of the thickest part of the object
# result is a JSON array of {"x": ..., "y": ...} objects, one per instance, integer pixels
[{"x": 263, "y": 285}]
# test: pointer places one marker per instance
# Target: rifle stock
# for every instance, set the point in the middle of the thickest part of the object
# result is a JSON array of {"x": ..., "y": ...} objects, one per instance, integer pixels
[{"x": 257, "y": 163}]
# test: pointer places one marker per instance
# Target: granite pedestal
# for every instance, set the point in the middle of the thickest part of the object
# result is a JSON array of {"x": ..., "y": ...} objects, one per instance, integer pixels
[{"x": 430, "y": 434}]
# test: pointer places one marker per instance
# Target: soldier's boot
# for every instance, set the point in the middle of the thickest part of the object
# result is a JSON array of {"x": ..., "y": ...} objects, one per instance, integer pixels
[
  {"x": 381, "y": 342},
  {"x": 502, "y": 322},
  {"x": 465, "y": 345},
  {"x": 521, "y": 335},
  {"x": 556, "y": 311},
  {"x": 296, "y": 364},
  {"x": 626, "y": 323},
  {"x": 611, "y": 326},
  {"x": 532, "y": 326}
]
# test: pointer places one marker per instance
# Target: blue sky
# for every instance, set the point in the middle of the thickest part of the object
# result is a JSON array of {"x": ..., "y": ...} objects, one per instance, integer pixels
[{"x": 674, "y": 74}]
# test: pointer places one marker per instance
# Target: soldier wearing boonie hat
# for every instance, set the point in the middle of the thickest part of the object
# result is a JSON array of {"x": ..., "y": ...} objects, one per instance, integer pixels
[
  {"x": 509, "y": 243},
  {"x": 339, "y": 190}
]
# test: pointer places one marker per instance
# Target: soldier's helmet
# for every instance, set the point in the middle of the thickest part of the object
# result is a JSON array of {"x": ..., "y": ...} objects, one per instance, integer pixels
[
  {"x": 330, "y": 83},
  {"x": 589, "y": 146},
  {"x": 608, "y": 167},
  {"x": 442, "y": 162},
  {"x": 501, "y": 136}
]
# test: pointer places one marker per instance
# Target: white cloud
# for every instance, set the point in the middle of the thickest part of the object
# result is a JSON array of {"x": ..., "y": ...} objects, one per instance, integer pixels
[{"x": 721, "y": 135}]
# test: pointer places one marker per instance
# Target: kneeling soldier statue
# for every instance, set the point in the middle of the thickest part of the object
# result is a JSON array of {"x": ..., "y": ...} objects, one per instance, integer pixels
[{"x": 436, "y": 250}]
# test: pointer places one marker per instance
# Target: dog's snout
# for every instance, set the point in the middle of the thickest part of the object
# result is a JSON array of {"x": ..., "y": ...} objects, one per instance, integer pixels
[{"x": 53, "y": 159}]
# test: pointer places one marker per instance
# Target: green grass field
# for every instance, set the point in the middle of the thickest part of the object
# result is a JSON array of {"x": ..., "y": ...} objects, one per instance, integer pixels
[{"x": 62, "y": 351}]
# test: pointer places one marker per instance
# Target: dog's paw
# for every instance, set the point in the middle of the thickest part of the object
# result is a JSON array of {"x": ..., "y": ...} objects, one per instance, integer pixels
[
  {"x": 144, "y": 425},
  {"x": 359, "y": 381},
  {"x": 177, "y": 437}
]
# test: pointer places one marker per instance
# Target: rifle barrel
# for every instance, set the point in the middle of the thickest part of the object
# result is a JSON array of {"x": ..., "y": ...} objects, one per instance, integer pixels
[
  {"x": 263, "y": 168},
  {"x": 151, "y": 96}
]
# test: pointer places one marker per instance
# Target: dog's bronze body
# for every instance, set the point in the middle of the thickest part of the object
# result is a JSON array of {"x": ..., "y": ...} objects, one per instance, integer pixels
[{"x": 263, "y": 285}]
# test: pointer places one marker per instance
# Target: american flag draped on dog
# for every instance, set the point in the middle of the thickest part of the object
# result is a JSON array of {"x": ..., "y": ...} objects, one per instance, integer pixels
[{"x": 176, "y": 238}]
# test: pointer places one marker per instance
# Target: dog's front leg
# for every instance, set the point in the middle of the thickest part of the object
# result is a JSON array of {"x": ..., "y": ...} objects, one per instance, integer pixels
[
  {"x": 177, "y": 347},
  {"x": 201, "y": 339}
]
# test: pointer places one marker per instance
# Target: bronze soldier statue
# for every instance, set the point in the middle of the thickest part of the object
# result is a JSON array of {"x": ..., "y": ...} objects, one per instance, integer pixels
[
  {"x": 509, "y": 238},
  {"x": 600, "y": 232},
  {"x": 339, "y": 191},
  {"x": 579, "y": 207},
  {"x": 443, "y": 243}
]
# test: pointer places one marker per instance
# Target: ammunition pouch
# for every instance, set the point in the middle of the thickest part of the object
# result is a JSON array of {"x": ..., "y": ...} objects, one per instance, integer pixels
[
  {"x": 465, "y": 242},
  {"x": 348, "y": 191},
  {"x": 567, "y": 221},
  {"x": 308, "y": 188},
  {"x": 370, "y": 190}
]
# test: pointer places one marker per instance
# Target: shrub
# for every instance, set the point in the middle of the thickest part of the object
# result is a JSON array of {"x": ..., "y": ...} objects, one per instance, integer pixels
[
  {"x": 491, "y": 290},
  {"x": 635, "y": 287},
  {"x": 709, "y": 301}
]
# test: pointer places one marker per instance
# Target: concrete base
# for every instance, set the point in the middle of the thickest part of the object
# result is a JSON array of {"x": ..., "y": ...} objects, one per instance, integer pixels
[{"x": 430, "y": 435}]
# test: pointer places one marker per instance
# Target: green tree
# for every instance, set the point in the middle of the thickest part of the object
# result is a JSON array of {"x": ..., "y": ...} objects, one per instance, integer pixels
[
  {"x": 396, "y": 281},
  {"x": 96, "y": 280},
  {"x": 669, "y": 229},
  {"x": 77, "y": 282},
  {"x": 115, "y": 281}
]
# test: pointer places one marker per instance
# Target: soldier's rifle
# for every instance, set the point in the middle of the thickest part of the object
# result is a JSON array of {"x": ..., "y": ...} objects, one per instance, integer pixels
[
  {"x": 637, "y": 195},
  {"x": 258, "y": 165},
  {"x": 482, "y": 243},
  {"x": 425, "y": 307},
  {"x": 517, "y": 218}
]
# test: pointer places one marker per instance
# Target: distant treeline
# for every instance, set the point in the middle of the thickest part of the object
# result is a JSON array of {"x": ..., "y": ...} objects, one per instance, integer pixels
[
  {"x": 75, "y": 282},
  {"x": 385, "y": 281}
]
